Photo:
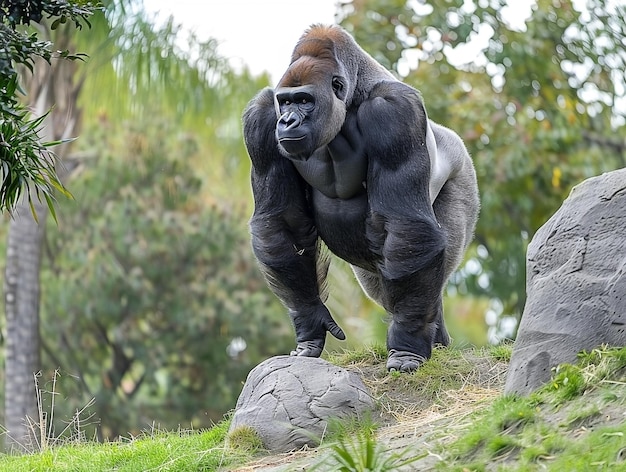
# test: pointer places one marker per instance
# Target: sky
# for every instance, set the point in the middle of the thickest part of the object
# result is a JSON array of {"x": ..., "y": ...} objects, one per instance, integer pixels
[
  {"x": 259, "y": 33},
  {"x": 263, "y": 33}
]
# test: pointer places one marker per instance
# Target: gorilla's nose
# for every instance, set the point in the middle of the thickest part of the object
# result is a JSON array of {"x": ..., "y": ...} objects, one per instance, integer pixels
[{"x": 289, "y": 120}]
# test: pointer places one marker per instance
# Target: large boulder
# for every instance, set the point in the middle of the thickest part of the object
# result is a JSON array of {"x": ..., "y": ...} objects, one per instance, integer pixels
[
  {"x": 288, "y": 400},
  {"x": 576, "y": 283}
]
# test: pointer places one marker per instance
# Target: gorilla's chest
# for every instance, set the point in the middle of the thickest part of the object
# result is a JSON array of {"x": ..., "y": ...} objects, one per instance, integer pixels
[
  {"x": 335, "y": 173},
  {"x": 341, "y": 223},
  {"x": 338, "y": 173}
]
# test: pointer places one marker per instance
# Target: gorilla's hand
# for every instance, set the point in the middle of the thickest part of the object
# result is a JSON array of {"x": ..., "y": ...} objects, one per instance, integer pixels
[{"x": 311, "y": 326}]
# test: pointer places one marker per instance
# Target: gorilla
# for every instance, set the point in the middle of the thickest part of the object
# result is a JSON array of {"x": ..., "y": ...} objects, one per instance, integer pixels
[{"x": 344, "y": 156}]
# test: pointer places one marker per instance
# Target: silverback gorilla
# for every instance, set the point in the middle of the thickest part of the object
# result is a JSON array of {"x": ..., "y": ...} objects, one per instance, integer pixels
[{"x": 344, "y": 153}]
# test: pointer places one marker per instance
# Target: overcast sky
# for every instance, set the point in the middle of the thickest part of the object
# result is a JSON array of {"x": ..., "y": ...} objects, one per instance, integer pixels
[
  {"x": 263, "y": 33},
  {"x": 259, "y": 33}
]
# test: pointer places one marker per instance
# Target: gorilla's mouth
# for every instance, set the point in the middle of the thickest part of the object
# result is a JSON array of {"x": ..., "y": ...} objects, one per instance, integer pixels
[
  {"x": 294, "y": 146},
  {"x": 292, "y": 138}
]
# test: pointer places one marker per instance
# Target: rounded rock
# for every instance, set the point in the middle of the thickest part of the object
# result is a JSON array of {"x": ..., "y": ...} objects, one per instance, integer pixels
[{"x": 288, "y": 400}]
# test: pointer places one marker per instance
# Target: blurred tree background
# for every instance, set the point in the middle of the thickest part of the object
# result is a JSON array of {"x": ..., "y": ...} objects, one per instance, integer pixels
[{"x": 151, "y": 300}]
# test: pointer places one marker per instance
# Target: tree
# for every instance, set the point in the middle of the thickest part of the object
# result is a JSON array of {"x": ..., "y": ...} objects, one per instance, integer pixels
[
  {"x": 28, "y": 165},
  {"x": 538, "y": 107}
]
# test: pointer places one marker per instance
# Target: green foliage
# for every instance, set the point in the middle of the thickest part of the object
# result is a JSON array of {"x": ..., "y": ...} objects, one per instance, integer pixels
[
  {"x": 28, "y": 165},
  {"x": 602, "y": 362},
  {"x": 153, "y": 303},
  {"x": 25, "y": 160},
  {"x": 360, "y": 452},
  {"x": 133, "y": 61},
  {"x": 593, "y": 367},
  {"x": 538, "y": 108},
  {"x": 567, "y": 382},
  {"x": 20, "y": 47},
  {"x": 24, "y": 11}
]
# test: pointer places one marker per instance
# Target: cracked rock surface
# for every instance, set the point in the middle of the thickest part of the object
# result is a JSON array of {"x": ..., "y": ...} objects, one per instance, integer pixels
[
  {"x": 289, "y": 399},
  {"x": 576, "y": 283}
]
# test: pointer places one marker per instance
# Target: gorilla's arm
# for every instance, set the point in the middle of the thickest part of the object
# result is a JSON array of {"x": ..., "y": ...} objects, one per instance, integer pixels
[
  {"x": 284, "y": 237},
  {"x": 402, "y": 227}
]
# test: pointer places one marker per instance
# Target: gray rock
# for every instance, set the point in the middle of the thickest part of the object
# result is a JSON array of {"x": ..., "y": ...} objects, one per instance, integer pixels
[
  {"x": 289, "y": 399},
  {"x": 576, "y": 283}
]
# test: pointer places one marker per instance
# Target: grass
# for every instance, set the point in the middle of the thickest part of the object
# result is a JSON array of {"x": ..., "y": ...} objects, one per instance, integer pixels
[
  {"x": 246, "y": 439},
  {"x": 574, "y": 423},
  {"x": 367, "y": 355},
  {"x": 157, "y": 451},
  {"x": 447, "y": 369},
  {"x": 361, "y": 452},
  {"x": 449, "y": 415}
]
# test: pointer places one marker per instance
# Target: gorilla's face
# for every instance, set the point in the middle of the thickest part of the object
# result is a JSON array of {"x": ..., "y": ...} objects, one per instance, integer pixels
[{"x": 310, "y": 106}]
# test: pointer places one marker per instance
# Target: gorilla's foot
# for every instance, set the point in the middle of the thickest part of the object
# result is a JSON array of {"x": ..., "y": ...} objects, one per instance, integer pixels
[
  {"x": 404, "y": 361},
  {"x": 309, "y": 348}
]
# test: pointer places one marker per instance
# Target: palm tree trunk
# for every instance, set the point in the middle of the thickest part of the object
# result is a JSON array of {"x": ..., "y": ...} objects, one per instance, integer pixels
[{"x": 21, "y": 289}]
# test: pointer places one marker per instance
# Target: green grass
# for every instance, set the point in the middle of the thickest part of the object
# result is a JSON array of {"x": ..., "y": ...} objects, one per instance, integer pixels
[
  {"x": 183, "y": 451},
  {"x": 351, "y": 446},
  {"x": 552, "y": 429},
  {"x": 245, "y": 439},
  {"x": 372, "y": 354},
  {"x": 501, "y": 352},
  {"x": 362, "y": 453}
]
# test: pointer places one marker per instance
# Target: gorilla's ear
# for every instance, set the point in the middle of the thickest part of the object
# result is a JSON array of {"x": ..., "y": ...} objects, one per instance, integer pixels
[{"x": 339, "y": 87}]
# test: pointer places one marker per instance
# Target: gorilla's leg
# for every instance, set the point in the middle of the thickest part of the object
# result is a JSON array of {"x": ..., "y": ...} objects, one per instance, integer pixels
[
  {"x": 415, "y": 305},
  {"x": 456, "y": 209},
  {"x": 403, "y": 360},
  {"x": 441, "y": 333},
  {"x": 371, "y": 285}
]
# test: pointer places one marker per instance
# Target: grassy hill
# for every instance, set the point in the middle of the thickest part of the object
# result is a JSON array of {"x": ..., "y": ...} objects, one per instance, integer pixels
[{"x": 450, "y": 415}]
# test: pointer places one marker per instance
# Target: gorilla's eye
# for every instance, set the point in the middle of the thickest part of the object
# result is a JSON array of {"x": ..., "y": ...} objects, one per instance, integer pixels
[
  {"x": 304, "y": 99},
  {"x": 337, "y": 84}
]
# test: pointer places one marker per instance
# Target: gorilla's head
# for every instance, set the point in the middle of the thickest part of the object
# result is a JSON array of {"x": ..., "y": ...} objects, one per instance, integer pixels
[{"x": 311, "y": 97}]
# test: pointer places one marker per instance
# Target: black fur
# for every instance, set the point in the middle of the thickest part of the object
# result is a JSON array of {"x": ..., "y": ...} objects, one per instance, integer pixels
[{"x": 341, "y": 156}]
